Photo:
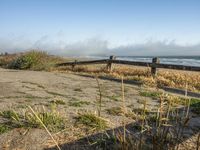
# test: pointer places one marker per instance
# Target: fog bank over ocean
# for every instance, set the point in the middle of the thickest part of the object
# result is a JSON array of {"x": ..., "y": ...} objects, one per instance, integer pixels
[
  {"x": 100, "y": 47},
  {"x": 170, "y": 51}
]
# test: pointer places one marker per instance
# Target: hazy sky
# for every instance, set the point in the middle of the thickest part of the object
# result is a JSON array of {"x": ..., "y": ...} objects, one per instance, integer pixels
[{"x": 84, "y": 27}]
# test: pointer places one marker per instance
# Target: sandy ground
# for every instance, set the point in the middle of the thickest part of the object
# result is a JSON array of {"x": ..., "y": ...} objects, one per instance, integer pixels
[
  {"x": 37, "y": 88},
  {"x": 21, "y": 88}
]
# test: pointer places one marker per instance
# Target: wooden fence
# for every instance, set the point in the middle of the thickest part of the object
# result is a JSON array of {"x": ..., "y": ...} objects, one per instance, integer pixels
[{"x": 154, "y": 64}]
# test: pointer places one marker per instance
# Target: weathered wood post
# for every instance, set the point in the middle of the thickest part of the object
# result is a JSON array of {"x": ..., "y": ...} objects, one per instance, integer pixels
[
  {"x": 155, "y": 61},
  {"x": 73, "y": 65},
  {"x": 109, "y": 65}
]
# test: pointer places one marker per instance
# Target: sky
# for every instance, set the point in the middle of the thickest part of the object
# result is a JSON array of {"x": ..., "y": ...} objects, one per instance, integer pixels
[{"x": 101, "y": 27}]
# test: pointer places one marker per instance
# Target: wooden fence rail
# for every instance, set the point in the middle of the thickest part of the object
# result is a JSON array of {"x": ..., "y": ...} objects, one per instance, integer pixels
[{"x": 154, "y": 64}]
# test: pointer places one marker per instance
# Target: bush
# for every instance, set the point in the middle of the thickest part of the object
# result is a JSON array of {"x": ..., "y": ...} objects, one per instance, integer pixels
[{"x": 34, "y": 60}]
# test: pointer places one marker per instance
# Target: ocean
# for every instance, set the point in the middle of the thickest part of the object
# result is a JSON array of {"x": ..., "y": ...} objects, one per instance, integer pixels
[{"x": 178, "y": 60}]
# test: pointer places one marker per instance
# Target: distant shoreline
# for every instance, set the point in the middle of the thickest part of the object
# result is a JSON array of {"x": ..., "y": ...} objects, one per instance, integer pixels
[{"x": 178, "y": 60}]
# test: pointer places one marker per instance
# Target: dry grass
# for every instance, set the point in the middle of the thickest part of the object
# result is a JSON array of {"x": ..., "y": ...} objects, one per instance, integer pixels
[
  {"x": 39, "y": 60},
  {"x": 6, "y": 59},
  {"x": 163, "y": 128},
  {"x": 77, "y": 103},
  {"x": 58, "y": 102},
  {"x": 170, "y": 78}
]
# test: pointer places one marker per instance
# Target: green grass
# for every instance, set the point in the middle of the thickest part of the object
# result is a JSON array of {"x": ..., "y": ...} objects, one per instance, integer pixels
[
  {"x": 78, "y": 103},
  {"x": 140, "y": 110},
  {"x": 152, "y": 117},
  {"x": 4, "y": 128},
  {"x": 34, "y": 97},
  {"x": 52, "y": 120},
  {"x": 9, "y": 114},
  {"x": 58, "y": 102},
  {"x": 195, "y": 105},
  {"x": 13, "y": 119},
  {"x": 150, "y": 94},
  {"x": 92, "y": 121},
  {"x": 113, "y": 97},
  {"x": 116, "y": 111}
]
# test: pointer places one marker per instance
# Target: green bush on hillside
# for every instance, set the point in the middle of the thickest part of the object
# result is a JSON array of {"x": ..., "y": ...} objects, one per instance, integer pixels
[{"x": 30, "y": 60}]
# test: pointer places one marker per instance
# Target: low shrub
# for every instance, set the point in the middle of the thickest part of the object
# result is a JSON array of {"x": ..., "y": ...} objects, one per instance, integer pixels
[
  {"x": 30, "y": 60},
  {"x": 34, "y": 60}
]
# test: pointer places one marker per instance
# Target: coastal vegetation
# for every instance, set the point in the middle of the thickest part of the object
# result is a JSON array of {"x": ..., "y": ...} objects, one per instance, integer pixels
[
  {"x": 39, "y": 60},
  {"x": 163, "y": 126},
  {"x": 142, "y": 75},
  {"x": 105, "y": 120}
]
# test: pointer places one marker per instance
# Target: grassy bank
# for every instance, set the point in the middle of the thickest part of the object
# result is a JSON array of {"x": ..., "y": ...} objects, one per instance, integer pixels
[
  {"x": 38, "y": 60},
  {"x": 31, "y": 60},
  {"x": 170, "y": 78}
]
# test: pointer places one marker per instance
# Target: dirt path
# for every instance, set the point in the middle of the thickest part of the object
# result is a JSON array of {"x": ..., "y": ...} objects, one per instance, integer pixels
[{"x": 24, "y": 87}]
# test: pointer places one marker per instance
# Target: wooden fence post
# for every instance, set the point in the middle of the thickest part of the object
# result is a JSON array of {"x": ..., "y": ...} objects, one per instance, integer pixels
[
  {"x": 109, "y": 65},
  {"x": 73, "y": 65},
  {"x": 153, "y": 67}
]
